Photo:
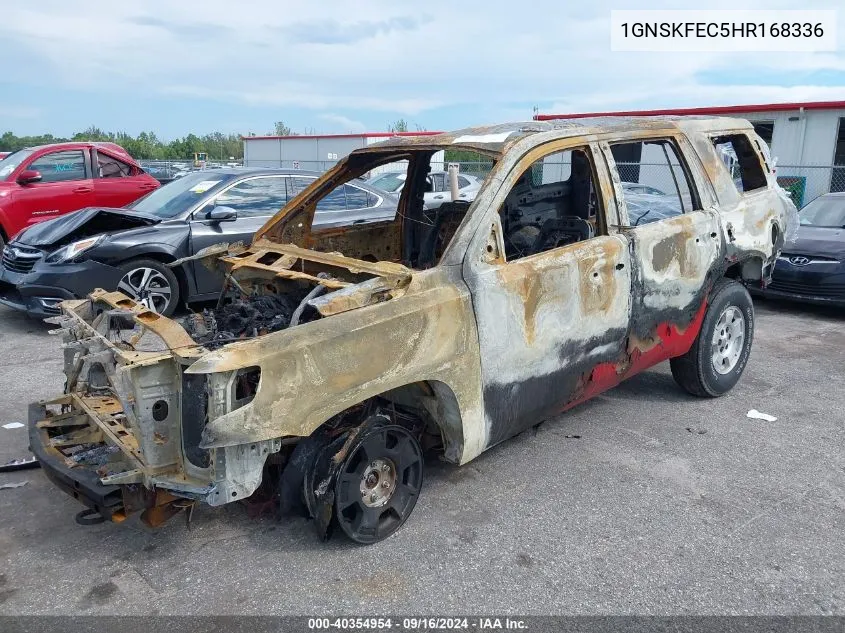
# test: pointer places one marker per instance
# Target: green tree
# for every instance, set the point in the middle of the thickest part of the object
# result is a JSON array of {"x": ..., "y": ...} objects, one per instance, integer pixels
[
  {"x": 146, "y": 145},
  {"x": 399, "y": 125}
]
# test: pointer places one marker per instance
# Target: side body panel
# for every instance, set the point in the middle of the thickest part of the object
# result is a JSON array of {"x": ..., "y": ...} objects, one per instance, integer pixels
[
  {"x": 319, "y": 369},
  {"x": 753, "y": 224},
  {"x": 560, "y": 327},
  {"x": 545, "y": 322}
]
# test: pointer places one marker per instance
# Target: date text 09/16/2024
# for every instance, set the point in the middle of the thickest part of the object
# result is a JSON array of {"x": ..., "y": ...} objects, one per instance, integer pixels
[{"x": 416, "y": 623}]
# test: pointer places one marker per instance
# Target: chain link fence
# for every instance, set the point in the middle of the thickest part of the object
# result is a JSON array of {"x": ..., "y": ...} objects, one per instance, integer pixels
[{"x": 805, "y": 183}]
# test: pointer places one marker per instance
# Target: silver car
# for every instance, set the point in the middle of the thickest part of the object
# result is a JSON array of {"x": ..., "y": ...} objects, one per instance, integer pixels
[{"x": 437, "y": 189}]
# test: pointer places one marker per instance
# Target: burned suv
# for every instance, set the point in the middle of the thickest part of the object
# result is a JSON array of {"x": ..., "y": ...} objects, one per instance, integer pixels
[{"x": 336, "y": 356}]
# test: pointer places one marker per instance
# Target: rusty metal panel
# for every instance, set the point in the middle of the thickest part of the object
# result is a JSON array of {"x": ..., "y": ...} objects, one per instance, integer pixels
[
  {"x": 429, "y": 334},
  {"x": 544, "y": 323}
]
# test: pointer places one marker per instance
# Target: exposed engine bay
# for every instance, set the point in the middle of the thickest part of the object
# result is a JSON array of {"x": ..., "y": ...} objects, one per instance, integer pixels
[
  {"x": 271, "y": 288},
  {"x": 242, "y": 318}
]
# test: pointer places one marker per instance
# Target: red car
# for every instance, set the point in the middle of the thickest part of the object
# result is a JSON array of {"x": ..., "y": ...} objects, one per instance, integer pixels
[{"x": 40, "y": 183}]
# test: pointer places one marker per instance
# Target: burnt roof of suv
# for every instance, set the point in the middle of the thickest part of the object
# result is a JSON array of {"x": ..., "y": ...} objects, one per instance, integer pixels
[{"x": 493, "y": 139}]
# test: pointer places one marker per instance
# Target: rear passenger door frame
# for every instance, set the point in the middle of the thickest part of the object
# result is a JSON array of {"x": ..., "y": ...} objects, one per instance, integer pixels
[
  {"x": 676, "y": 261},
  {"x": 749, "y": 219}
]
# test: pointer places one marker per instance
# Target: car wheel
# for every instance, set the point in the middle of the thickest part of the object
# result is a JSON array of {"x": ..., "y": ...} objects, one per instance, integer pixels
[
  {"x": 151, "y": 284},
  {"x": 720, "y": 352},
  {"x": 378, "y": 483}
]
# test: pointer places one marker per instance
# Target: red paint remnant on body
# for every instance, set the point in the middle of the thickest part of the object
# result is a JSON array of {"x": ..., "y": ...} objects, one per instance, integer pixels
[{"x": 671, "y": 342}]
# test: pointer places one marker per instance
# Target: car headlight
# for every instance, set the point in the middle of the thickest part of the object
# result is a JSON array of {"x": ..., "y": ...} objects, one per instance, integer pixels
[{"x": 73, "y": 250}]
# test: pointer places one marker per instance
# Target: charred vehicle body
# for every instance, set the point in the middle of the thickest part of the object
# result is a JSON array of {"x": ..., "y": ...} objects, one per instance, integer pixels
[{"x": 336, "y": 356}]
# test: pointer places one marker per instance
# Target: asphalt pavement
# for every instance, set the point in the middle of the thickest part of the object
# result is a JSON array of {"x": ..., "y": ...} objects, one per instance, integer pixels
[{"x": 642, "y": 501}]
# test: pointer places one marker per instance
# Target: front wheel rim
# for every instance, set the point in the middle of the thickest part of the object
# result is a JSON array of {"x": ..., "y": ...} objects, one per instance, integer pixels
[
  {"x": 148, "y": 287},
  {"x": 728, "y": 340},
  {"x": 378, "y": 484}
]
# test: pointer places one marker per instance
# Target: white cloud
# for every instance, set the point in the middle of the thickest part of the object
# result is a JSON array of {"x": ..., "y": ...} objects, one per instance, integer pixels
[
  {"x": 344, "y": 124},
  {"x": 488, "y": 58}
]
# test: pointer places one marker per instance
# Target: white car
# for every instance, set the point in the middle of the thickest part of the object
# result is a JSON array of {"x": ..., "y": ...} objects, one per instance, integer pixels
[{"x": 437, "y": 192}]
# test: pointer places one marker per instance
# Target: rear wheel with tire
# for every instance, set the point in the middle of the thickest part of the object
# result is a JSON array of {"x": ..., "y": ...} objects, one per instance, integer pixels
[
  {"x": 150, "y": 283},
  {"x": 720, "y": 352}
]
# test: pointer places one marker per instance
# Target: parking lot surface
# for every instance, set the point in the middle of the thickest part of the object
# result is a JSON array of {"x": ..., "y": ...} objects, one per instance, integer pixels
[{"x": 644, "y": 500}]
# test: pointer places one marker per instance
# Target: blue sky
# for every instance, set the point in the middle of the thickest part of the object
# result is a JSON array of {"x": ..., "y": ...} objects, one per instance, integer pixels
[{"x": 175, "y": 68}]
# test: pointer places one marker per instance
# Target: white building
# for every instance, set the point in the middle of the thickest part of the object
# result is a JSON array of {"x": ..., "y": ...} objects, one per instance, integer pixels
[
  {"x": 316, "y": 152},
  {"x": 807, "y": 140}
]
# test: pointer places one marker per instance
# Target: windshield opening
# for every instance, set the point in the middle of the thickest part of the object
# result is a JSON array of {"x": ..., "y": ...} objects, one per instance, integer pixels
[
  {"x": 181, "y": 195},
  {"x": 11, "y": 162},
  {"x": 414, "y": 230},
  {"x": 826, "y": 211}
]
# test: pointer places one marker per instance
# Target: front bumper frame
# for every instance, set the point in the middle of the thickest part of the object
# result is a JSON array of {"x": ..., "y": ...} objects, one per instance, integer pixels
[{"x": 80, "y": 482}]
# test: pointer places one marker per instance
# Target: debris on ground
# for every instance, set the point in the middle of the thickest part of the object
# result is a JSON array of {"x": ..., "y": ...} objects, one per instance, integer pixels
[
  {"x": 14, "y": 485},
  {"x": 20, "y": 464},
  {"x": 754, "y": 414},
  {"x": 13, "y": 425},
  {"x": 696, "y": 431}
]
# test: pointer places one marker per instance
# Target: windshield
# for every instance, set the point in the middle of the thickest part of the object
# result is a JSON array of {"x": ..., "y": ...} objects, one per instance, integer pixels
[
  {"x": 11, "y": 162},
  {"x": 826, "y": 211},
  {"x": 388, "y": 182},
  {"x": 180, "y": 195}
]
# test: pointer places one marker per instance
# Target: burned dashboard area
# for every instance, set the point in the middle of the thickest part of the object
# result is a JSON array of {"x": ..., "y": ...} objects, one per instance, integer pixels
[{"x": 270, "y": 287}]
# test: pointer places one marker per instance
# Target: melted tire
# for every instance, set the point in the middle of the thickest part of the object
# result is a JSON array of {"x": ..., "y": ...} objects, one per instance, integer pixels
[{"x": 695, "y": 371}]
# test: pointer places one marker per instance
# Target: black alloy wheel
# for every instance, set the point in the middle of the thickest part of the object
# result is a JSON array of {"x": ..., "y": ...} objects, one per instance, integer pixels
[{"x": 378, "y": 483}]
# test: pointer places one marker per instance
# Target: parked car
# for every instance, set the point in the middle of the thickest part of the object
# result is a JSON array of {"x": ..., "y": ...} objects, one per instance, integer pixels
[
  {"x": 812, "y": 267},
  {"x": 335, "y": 355},
  {"x": 128, "y": 249},
  {"x": 637, "y": 188},
  {"x": 437, "y": 186},
  {"x": 40, "y": 183},
  {"x": 162, "y": 173}
]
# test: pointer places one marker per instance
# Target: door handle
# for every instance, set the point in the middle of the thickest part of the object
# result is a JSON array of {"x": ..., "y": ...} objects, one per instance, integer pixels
[
  {"x": 82, "y": 190},
  {"x": 146, "y": 186}
]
